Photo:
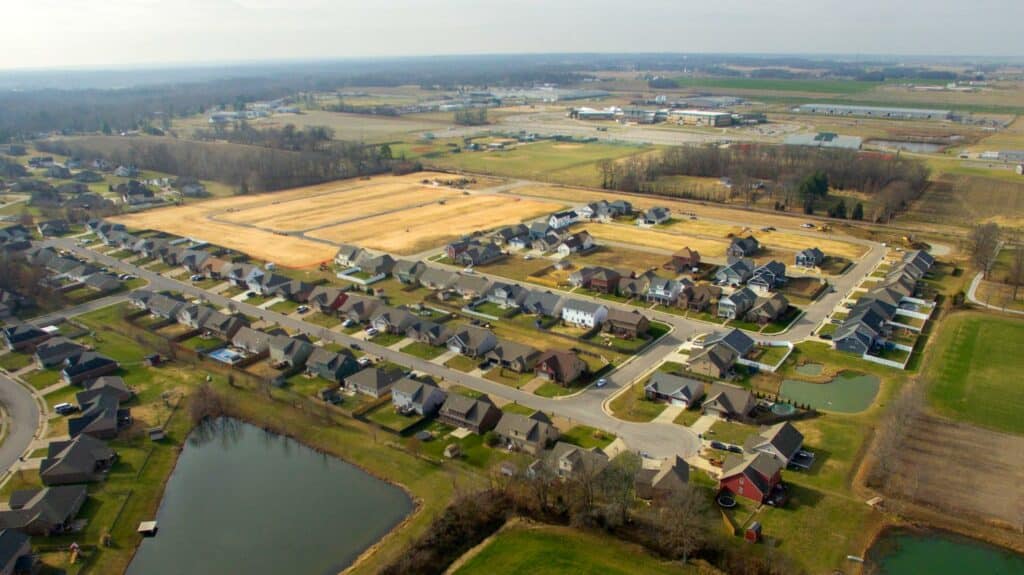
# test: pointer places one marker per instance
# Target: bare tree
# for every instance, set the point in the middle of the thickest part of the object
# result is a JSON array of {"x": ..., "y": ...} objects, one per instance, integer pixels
[
  {"x": 1016, "y": 275},
  {"x": 983, "y": 243},
  {"x": 684, "y": 520},
  {"x": 616, "y": 486}
]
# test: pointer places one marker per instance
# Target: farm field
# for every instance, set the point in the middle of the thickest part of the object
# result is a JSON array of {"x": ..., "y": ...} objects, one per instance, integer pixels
[
  {"x": 355, "y": 127},
  {"x": 416, "y": 229},
  {"x": 972, "y": 355},
  {"x": 562, "y": 162},
  {"x": 549, "y": 549}
]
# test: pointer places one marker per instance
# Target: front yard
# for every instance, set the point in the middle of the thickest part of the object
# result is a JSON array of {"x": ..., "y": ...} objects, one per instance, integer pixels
[
  {"x": 423, "y": 350},
  {"x": 632, "y": 405},
  {"x": 462, "y": 363},
  {"x": 508, "y": 377},
  {"x": 386, "y": 416}
]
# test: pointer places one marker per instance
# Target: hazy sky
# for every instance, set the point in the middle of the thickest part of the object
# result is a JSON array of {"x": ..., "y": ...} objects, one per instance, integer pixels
[{"x": 63, "y": 33}]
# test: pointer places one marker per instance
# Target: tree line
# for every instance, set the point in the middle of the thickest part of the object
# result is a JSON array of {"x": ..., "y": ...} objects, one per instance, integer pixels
[
  {"x": 312, "y": 138},
  {"x": 800, "y": 175},
  {"x": 248, "y": 168}
]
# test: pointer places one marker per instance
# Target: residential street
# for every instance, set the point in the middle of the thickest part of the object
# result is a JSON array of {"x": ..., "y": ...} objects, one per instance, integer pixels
[{"x": 22, "y": 420}]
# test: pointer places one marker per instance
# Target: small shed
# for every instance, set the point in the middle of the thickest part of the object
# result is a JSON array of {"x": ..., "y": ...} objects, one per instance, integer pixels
[
  {"x": 753, "y": 532},
  {"x": 148, "y": 528},
  {"x": 452, "y": 450},
  {"x": 156, "y": 433}
]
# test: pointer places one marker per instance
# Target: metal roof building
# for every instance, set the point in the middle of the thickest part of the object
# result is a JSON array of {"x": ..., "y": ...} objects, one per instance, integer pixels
[
  {"x": 824, "y": 140},
  {"x": 875, "y": 112}
]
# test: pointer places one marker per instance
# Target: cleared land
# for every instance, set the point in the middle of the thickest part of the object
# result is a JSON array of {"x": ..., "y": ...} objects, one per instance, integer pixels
[
  {"x": 416, "y": 229},
  {"x": 540, "y": 550},
  {"x": 971, "y": 371}
]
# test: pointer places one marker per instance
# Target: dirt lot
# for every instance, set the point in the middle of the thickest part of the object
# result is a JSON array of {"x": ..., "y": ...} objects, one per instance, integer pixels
[
  {"x": 416, "y": 229},
  {"x": 962, "y": 470}
]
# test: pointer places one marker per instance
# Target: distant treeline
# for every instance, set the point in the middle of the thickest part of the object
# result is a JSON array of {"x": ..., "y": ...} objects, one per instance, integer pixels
[
  {"x": 249, "y": 168},
  {"x": 313, "y": 138},
  {"x": 893, "y": 180}
]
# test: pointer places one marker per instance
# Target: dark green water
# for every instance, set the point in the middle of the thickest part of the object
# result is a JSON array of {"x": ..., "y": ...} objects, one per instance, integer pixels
[
  {"x": 905, "y": 553},
  {"x": 242, "y": 500},
  {"x": 849, "y": 392}
]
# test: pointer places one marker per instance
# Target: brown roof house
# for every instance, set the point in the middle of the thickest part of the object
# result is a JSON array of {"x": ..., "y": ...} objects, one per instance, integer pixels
[
  {"x": 478, "y": 415},
  {"x": 531, "y": 434},
  {"x": 373, "y": 381},
  {"x": 561, "y": 367},
  {"x": 671, "y": 478},
  {"x": 626, "y": 324},
  {"x": 515, "y": 356},
  {"x": 684, "y": 260},
  {"x": 714, "y": 361},
  {"x": 728, "y": 401}
]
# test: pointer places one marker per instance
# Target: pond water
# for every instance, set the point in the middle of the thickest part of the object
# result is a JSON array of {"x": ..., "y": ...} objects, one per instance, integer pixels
[
  {"x": 242, "y": 500},
  {"x": 920, "y": 147},
  {"x": 849, "y": 392},
  {"x": 900, "y": 552},
  {"x": 810, "y": 369}
]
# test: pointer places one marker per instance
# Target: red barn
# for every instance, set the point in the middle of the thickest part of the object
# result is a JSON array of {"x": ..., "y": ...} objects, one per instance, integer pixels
[{"x": 757, "y": 477}]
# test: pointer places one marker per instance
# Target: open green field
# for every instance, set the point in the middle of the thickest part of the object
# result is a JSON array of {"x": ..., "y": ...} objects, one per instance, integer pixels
[
  {"x": 558, "y": 550},
  {"x": 561, "y": 162},
  {"x": 971, "y": 371}
]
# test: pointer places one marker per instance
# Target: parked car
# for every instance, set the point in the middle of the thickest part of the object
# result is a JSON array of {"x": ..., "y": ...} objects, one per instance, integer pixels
[
  {"x": 250, "y": 294},
  {"x": 198, "y": 278},
  {"x": 348, "y": 323},
  {"x": 65, "y": 408},
  {"x": 302, "y": 308},
  {"x": 807, "y": 225},
  {"x": 356, "y": 346},
  {"x": 372, "y": 331},
  {"x": 468, "y": 270},
  {"x": 719, "y": 445},
  {"x": 601, "y": 382}
]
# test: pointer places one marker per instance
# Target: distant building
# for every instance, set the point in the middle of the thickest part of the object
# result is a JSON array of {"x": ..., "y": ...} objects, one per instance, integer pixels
[
  {"x": 702, "y": 117},
  {"x": 824, "y": 140},
  {"x": 875, "y": 112}
]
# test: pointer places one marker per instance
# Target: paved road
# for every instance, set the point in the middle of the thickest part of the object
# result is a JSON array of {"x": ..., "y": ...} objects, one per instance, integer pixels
[
  {"x": 660, "y": 440},
  {"x": 973, "y": 299},
  {"x": 22, "y": 420}
]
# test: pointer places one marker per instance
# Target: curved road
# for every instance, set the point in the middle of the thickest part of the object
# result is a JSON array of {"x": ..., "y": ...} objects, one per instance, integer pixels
[{"x": 22, "y": 420}]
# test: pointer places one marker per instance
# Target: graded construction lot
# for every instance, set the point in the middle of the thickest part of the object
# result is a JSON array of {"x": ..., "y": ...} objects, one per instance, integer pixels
[{"x": 416, "y": 229}]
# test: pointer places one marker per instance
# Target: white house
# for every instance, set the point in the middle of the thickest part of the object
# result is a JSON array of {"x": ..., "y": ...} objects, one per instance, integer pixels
[
  {"x": 559, "y": 220},
  {"x": 584, "y": 313}
]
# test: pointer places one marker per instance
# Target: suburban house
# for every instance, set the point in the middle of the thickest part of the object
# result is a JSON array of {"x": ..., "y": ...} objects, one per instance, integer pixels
[
  {"x": 16, "y": 553},
  {"x": 478, "y": 254},
  {"x": 478, "y": 415},
  {"x": 742, "y": 248},
  {"x": 559, "y": 220},
  {"x": 674, "y": 389},
  {"x": 331, "y": 366},
  {"x": 626, "y": 324},
  {"x": 359, "y": 308},
  {"x": 101, "y": 417},
  {"x": 103, "y": 283},
  {"x": 541, "y": 229},
  {"x": 699, "y": 298},
  {"x": 327, "y": 299},
  {"x": 620, "y": 208},
  {"x": 715, "y": 361},
  {"x": 348, "y": 255},
  {"x": 392, "y": 320},
  {"x": 428, "y": 332},
  {"x": 671, "y": 478},
  {"x": 756, "y": 476},
  {"x": 470, "y": 286},
  {"x": 83, "y": 459},
  {"x": 560, "y": 366},
  {"x": 683, "y": 260},
  {"x": 87, "y": 365},
  {"x": 576, "y": 243},
  {"x": 735, "y": 339},
  {"x": 54, "y": 351},
  {"x": 582, "y": 276},
  {"x": 289, "y": 351},
  {"x": 567, "y": 460},
  {"x": 768, "y": 277},
  {"x": 654, "y": 216},
  {"x": 252, "y": 341},
  {"x": 584, "y": 313},
  {"x": 52, "y": 228},
  {"x": 635, "y": 286},
  {"x": 43, "y": 512},
  {"x": 767, "y": 309},
  {"x": 736, "y": 273},
  {"x": 108, "y": 385},
  {"x": 436, "y": 279},
  {"x": 547, "y": 242},
  {"x": 506, "y": 295},
  {"x": 373, "y": 381},
  {"x": 737, "y": 304},
  {"x": 664, "y": 291},
  {"x": 508, "y": 233},
  {"x": 542, "y": 303},
  {"x": 809, "y": 258},
  {"x": 782, "y": 441},
  {"x": 515, "y": 356},
  {"x": 472, "y": 341},
  {"x": 423, "y": 398},
  {"x": 728, "y": 401},
  {"x": 531, "y": 434},
  {"x": 408, "y": 272},
  {"x": 22, "y": 336},
  {"x": 604, "y": 280}
]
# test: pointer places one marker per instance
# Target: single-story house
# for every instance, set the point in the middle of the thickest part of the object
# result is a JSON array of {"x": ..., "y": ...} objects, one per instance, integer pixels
[
  {"x": 23, "y": 336},
  {"x": 83, "y": 459},
  {"x": 506, "y": 295},
  {"x": 542, "y": 303},
  {"x": 359, "y": 308},
  {"x": 728, "y": 401},
  {"x": 392, "y": 320},
  {"x": 87, "y": 365},
  {"x": 515, "y": 356},
  {"x": 289, "y": 351},
  {"x": 677, "y": 390},
  {"x": 428, "y": 332},
  {"x": 472, "y": 341},
  {"x": 108, "y": 385},
  {"x": 437, "y": 279},
  {"x": 54, "y": 351},
  {"x": 767, "y": 309},
  {"x": 327, "y": 299},
  {"x": 576, "y": 243},
  {"x": 654, "y": 216},
  {"x": 735, "y": 339},
  {"x": 101, "y": 417},
  {"x": 408, "y": 272},
  {"x": 699, "y": 298},
  {"x": 16, "y": 553},
  {"x": 252, "y": 341},
  {"x": 43, "y": 512},
  {"x": 567, "y": 460}
]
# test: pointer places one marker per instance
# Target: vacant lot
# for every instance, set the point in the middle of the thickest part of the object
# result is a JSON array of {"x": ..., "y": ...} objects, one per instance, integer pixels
[
  {"x": 549, "y": 549},
  {"x": 416, "y": 229},
  {"x": 972, "y": 364}
]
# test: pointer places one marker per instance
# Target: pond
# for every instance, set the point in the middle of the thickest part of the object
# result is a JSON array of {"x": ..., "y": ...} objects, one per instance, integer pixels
[
  {"x": 809, "y": 369},
  {"x": 242, "y": 500},
  {"x": 920, "y": 147},
  {"x": 849, "y": 392},
  {"x": 900, "y": 552}
]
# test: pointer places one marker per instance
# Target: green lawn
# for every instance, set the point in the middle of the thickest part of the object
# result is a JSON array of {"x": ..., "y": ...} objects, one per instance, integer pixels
[
  {"x": 970, "y": 370},
  {"x": 552, "y": 389},
  {"x": 587, "y": 437},
  {"x": 386, "y": 416},
  {"x": 328, "y": 321},
  {"x": 462, "y": 363},
  {"x": 14, "y": 361},
  {"x": 509, "y": 377},
  {"x": 43, "y": 378},
  {"x": 423, "y": 350},
  {"x": 687, "y": 417},
  {"x": 63, "y": 395},
  {"x": 493, "y": 309},
  {"x": 771, "y": 355},
  {"x": 286, "y": 307},
  {"x": 631, "y": 405},
  {"x": 731, "y": 432},
  {"x": 387, "y": 339},
  {"x": 200, "y": 343},
  {"x": 518, "y": 408},
  {"x": 557, "y": 550}
]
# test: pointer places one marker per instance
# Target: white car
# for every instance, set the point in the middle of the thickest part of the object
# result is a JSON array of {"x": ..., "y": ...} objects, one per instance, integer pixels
[
  {"x": 601, "y": 382},
  {"x": 807, "y": 225},
  {"x": 371, "y": 331},
  {"x": 348, "y": 323},
  {"x": 468, "y": 270}
]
